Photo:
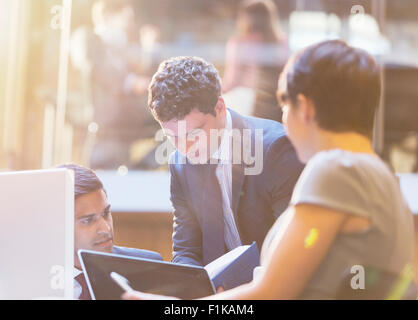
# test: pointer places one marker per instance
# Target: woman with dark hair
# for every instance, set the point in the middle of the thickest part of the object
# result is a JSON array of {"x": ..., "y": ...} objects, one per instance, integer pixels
[
  {"x": 256, "y": 54},
  {"x": 259, "y": 18},
  {"x": 347, "y": 211}
]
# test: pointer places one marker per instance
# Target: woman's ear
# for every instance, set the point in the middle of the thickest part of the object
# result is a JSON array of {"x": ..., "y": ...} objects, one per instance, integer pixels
[{"x": 306, "y": 109}]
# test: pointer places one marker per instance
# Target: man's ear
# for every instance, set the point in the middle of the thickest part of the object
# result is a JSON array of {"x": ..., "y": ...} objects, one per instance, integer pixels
[
  {"x": 306, "y": 109},
  {"x": 220, "y": 106}
]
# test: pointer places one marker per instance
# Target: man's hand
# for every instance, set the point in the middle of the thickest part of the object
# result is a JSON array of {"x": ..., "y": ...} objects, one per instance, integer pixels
[{"x": 137, "y": 295}]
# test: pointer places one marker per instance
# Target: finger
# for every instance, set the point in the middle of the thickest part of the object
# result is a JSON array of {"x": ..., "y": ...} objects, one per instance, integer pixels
[{"x": 132, "y": 295}]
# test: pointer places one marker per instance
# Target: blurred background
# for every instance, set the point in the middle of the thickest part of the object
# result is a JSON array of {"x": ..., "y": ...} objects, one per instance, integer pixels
[{"x": 74, "y": 77}]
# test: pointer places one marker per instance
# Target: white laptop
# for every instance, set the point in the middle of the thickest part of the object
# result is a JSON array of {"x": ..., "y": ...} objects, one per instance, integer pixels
[{"x": 37, "y": 234}]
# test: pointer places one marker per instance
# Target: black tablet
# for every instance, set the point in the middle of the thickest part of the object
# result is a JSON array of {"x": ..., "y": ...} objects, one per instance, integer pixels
[{"x": 151, "y": 276}]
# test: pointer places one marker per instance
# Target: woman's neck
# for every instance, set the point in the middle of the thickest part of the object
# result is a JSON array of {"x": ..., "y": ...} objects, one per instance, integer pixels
[{"x": 349, "y": 141}]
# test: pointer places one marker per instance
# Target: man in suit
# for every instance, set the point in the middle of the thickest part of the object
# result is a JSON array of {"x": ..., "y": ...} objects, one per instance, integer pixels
[
  {"x": 93, "y": 224},
  {"x": 223, "y": 195}
]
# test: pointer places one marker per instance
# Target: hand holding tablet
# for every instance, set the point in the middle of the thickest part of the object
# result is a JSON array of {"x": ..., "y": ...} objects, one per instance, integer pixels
[{"x": 121, "y": 281}]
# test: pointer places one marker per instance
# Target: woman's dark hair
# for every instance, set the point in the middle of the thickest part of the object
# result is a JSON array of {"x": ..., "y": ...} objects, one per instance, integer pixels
[
  {"x": 182, "y": 84},
  {"x": 261, "y": 17},
  {"x": 343, "y": 83},
  {"x": 85, "y": 180}
]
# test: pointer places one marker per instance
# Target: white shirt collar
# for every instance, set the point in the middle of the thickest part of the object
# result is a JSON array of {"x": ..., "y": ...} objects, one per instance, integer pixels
[
  {"x": 76, "y": 272},
  {"x": 77, "y": 287},
  {"x": 224, "y": 151}
]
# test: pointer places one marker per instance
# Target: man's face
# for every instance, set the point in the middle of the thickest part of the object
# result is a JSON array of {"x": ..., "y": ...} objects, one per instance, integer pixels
[
  {"x": 191, "y": 135},
  {"x": 93, "y": 224}
]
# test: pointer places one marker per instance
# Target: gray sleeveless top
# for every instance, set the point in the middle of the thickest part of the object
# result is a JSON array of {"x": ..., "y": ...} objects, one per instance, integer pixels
[{"x": 362, "y": 185}]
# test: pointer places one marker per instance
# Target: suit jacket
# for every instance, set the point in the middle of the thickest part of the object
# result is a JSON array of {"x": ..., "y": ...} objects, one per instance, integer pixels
[
  {"x": 137, "y": 253},
  {"x": 257, "y": 200}
]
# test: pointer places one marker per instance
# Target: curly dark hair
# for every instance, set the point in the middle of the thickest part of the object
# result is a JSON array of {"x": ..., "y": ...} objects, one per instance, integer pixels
[{"x": 182, "y": 84}]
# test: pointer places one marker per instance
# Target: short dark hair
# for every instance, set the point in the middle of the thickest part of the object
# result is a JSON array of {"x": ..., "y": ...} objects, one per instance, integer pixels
[
  {"x": 343, "y": 82},
  {"x": 182, "y": 84},
  {"x": 85, "y": 179}
]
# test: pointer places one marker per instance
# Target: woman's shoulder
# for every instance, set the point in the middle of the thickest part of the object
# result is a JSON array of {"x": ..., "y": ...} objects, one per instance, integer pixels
[
  {"x": 338, "y": 158},
  {"x": 339, "y": 167},
  {"x": 343, "y": 181},
  {"x": 329, "y": 160}
]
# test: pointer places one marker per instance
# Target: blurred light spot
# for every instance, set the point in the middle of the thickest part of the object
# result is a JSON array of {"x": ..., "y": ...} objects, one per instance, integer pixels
[
  {"x": 93, "y": 127},
  {"x": 402, "y": 284},
  {"x": 123, "y": 170},
  {"x": 373, "y": 277},
  {"x": 311, "y": 238}
]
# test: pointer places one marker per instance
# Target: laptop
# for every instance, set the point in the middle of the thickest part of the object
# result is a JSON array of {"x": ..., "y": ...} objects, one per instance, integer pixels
[
  {"x": 151, "y": 276},
  {"x": 37, "y": 234}
]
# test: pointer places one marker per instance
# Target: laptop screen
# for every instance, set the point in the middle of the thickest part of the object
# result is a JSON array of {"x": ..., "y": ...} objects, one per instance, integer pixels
[
  {"x": 37, "y": 234},
  {"x": 186, "y": 282}
]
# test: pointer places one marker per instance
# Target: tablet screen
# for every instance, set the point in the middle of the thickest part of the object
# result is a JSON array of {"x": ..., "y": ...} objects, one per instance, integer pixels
[{"x": 186, "y": 282}]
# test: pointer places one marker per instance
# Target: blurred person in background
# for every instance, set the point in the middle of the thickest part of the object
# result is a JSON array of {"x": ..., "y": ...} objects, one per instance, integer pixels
[
  {"x": 255, "y": 55},
  {"x": 118, "y": 70}
]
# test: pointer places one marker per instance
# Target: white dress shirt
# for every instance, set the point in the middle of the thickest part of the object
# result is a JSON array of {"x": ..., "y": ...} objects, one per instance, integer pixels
[
  {"x": 77, "y": 286},
  {"x": 224, "y": 174}
]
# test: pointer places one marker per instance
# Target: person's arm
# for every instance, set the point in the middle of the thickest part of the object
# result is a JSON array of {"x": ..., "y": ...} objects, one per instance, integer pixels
[
  {"x": 294, "y": 255},
  {"x": 187, "y": 235}
]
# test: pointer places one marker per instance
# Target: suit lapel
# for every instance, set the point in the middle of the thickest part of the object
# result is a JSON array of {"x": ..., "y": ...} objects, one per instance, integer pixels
[
  {"x": 238, "y": 173},
  {"x": 196, "y": 176},
  {"x": 237, "y": 182},
  {"x": 207, "y": 199}
]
